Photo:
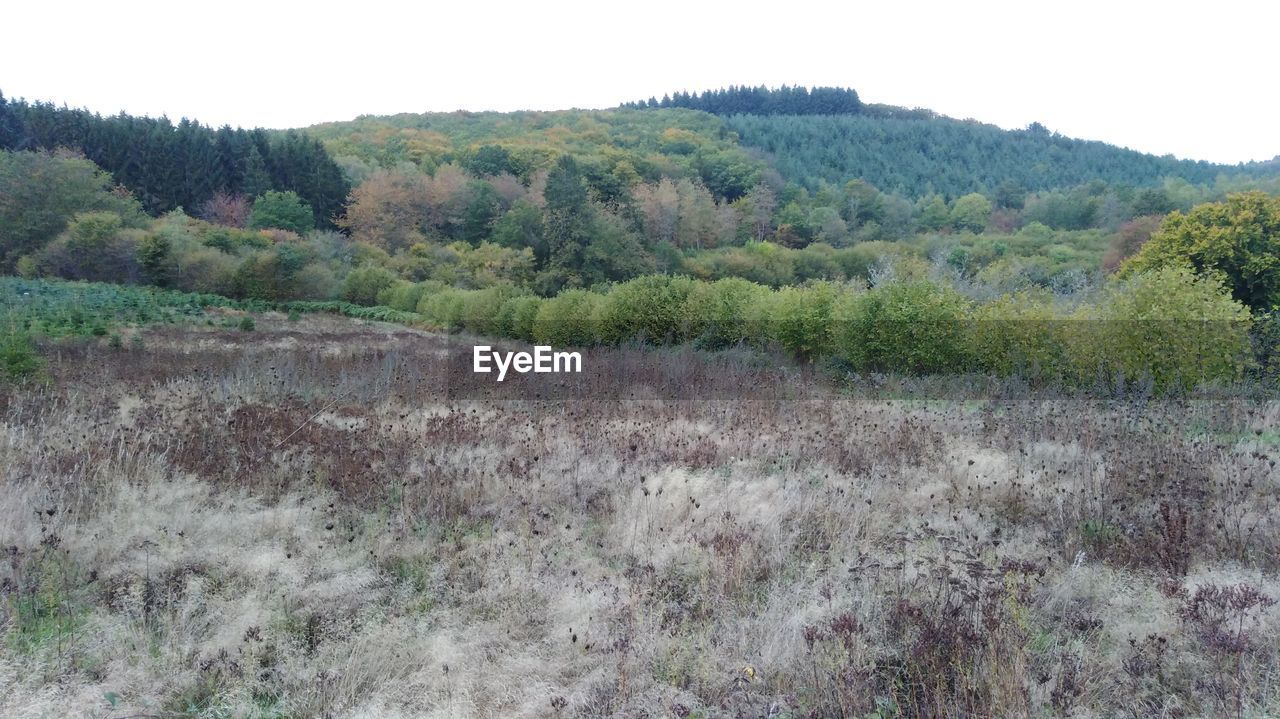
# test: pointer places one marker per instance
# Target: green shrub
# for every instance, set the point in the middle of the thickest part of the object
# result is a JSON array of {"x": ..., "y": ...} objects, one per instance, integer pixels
[
  {"x": 247, "y": 324},
  {"x": 1021, "y": 334},
  {"x": 1168, "y": 327},
  {"x": 443, "y": 307},
  {"x": 913, "y": 327},
  {"x": 800, "y": 319},
  {"x": 568, "y": 319},
  {"x": 482, "y": 310},
  {"x": 653, "y": 308},
  {"x": 363, "y": 284},
  {"x": 402, "y": 295},
  {"x": 517, "y": 315},
  {"x": 721, "y": 310},
  {"x": 18, "y": 358}
]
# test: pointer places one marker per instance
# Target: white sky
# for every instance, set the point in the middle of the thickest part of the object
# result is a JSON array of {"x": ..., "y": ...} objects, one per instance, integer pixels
[{"x": 1195, "y": 81}]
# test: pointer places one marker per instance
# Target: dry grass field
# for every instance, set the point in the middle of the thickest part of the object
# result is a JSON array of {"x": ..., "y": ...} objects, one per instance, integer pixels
[{"x": 298, "y": 522}]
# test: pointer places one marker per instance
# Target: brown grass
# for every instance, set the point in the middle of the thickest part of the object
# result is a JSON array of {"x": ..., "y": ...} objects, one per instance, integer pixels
[{"x": 300, "y": 522}]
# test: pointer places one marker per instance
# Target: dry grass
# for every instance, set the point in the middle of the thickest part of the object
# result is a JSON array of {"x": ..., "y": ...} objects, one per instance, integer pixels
[{"x": 298, "y": 522}]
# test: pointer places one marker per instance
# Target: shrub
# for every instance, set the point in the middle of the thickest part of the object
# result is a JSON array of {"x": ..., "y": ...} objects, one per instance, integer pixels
[
  {"x": 517, "y": 315},
  {"x": 18, "y": 358},
  {"x": 247, "y": 324},
  {"x": 800, "y": 319},
  {"x": 653, "y": 308},
  {"x": 443, "y": 307},
  {"x": 402, "y": 295},
  {"x": 915, "y": 327},
  {"x": 1168, "y": 327},
  {"x": 481, "y": 310},
  {"x": 568, "y": 319},
  {"x": 721, "y": 310},
  {"x": 1020, "y": 334},
  {"x": 362, "y": 285}
]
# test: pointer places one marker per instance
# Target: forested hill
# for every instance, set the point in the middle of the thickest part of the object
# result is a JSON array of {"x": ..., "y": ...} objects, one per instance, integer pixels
[
  {"x": 167, "y": 165},
  {"x": 828, "y": 134},
  {"x": 919, "y": 155}
]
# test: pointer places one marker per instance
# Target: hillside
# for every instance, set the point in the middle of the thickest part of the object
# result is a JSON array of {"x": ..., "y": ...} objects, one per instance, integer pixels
[
  {"x": 917, "y": 154},
  {"x": 808, "y": 136},
  {"x": 617, "y": 147}
]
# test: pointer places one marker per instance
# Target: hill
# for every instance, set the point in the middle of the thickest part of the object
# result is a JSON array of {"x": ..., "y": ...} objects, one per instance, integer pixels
[{"x": 917, "y": 153}]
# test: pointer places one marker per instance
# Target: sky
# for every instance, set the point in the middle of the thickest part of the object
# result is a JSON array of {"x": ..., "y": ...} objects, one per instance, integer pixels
[{"x": 1196, "y": 81}]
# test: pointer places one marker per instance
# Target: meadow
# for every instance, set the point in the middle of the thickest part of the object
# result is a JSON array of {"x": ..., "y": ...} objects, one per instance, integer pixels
[{"x": 301, "y": 520}]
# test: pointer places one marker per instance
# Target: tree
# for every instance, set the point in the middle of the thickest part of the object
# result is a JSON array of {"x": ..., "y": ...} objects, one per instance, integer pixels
[
  {"x": 569, "y": 216},
  {"x": 1238, "y": 239},
  {"x": 522, "y": 227},
  {"x": 282, "y": 210},
  {"x": 154, "y": 258},
  {"x": 483, "y": 207},
  {"x": 933, "y": 213},
  {"x": 490, "y": 160},
  {"x": 39, "y": 194},
  {"x": 971, "y": 212},
  {"x": 390, "y": 210},
  {"x": 95, "y": 246},
  {"x": 225, "y": 209}
]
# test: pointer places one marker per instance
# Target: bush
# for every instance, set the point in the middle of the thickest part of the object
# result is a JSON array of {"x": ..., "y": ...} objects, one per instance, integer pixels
[
  {"x": 1020, "y": 334},
  {"x": 18, "y": 358},
  {"x": 721, "y": 310},
  {"x": 518, "y": 314},
  {"x": 443, "y": 307},
  {"x": 653, "y": 308},
  {"x": 362, "y": 285},
  {"x": 568, "y": 319},
  {"x": 401, "y": 295},
  {"x": 247, "y": 324},
  {"x": 1167, "y": 327},
  {"x": 481, "y": 310},
  {"x": 914, "y": 327},
  {"x": 800, "y": 319}
]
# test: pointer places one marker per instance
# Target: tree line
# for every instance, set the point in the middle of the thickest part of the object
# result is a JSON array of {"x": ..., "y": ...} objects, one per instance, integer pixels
[
  {"x": 167, "y": 165},
  {"x": 761, "y": 100}
]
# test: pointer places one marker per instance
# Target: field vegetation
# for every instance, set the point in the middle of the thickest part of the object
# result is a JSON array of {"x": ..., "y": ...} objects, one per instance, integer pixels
[{"x": 299, "y": 521}]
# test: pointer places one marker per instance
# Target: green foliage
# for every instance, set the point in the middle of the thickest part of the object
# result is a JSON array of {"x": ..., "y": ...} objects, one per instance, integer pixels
[
  {"x": 18, "y": 358},
  {"x": 800, "y": 319},
  {"x": 971, "y": 212},
  {"x": 1168, "y": 327},
  {"x": 1021, "y": 334},
  {"x": 154, "y": 256},
  {"x": 443, "y": 307},
  {"x": 518, "y": 314},
  {"x": 363, "y": 285},
  {"x": 41, "y": 192},
  {"x": 282, "y": 210},
  {"x": 612, "y": 145},
  {"x": 402, "y": 295},
  {"x": 654, "y": 309},
  {"x": 1238, "y": 239},
  {"x": 568, "y": 319},
  {"x": 721, "y": 311},
  {"x": 481, "y": 310},
  {"x": 918, "y": 153},
  {"x": 168, "y": 166},
  {"x": 913, "y": 327},
  {"x": 246, "y": 324}
]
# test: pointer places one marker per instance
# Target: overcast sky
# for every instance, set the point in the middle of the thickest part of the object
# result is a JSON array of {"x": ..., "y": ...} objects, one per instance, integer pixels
[{"x": 1197, "y": 82}]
